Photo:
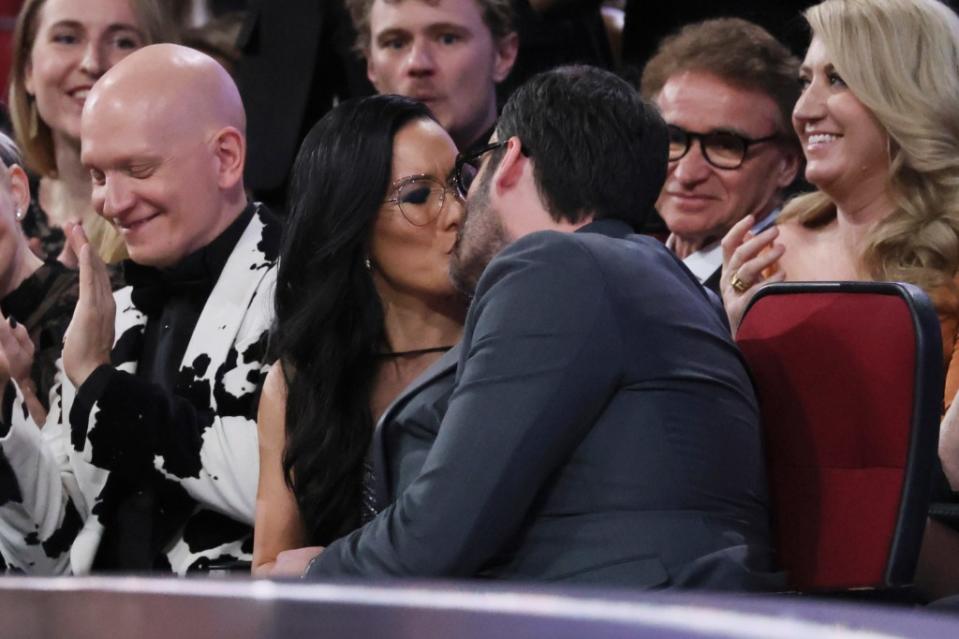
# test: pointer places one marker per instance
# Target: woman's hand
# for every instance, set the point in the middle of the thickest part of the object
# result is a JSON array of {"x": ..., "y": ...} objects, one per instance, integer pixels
[
  {"x": 16, "y": 363},
  {"x": 745, "y": 257}
]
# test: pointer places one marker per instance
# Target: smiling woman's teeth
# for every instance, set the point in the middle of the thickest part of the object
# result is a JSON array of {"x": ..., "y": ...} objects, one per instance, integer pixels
[{"x": 822, "y": 138}]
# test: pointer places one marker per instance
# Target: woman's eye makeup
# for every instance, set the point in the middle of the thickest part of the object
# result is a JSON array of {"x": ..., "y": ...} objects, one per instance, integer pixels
[{"x": 418, "y": 195}]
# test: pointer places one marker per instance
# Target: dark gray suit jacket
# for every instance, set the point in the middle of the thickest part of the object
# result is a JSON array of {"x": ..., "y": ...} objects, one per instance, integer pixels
[
  {"x": 602, "y": 430},
  {"x": 407, "y": 429},
  {"x": 296, "y": 58}
]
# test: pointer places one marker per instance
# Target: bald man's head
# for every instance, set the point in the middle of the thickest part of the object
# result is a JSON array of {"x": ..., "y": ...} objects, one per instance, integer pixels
[{"x": 162, "y": 134}]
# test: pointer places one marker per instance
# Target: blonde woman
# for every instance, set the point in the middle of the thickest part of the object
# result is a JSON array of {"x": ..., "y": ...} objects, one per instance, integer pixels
[
  {"x": 60, "y": 48},
  {"x": 877, "y": 118},
  {"x": 878, "y": 122}
]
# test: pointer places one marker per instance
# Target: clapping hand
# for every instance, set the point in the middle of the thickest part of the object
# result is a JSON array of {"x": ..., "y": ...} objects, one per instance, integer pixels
[
  {"x": 16, "y": 363},
  {"x": 89, "y": 338}
]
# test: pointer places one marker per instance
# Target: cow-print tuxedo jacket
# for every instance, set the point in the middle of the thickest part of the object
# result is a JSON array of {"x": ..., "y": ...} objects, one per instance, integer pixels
[{"x": 197, "y": 448}]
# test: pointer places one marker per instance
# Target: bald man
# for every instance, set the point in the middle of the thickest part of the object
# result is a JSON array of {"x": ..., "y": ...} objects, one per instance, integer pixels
[{"x": 148, "y": 459}]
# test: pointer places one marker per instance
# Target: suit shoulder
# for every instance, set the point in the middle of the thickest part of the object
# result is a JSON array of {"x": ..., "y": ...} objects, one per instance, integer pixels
[
  {"x": 561, "y": 252},
  {"x": 547, "y": 243},
  {"x": 541, "y": 264}
]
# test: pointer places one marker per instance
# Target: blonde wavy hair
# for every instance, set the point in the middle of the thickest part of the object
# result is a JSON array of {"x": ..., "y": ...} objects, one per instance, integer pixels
[
  {"x": 33, "y": 135},
  {"x": 900, "y": 58}
]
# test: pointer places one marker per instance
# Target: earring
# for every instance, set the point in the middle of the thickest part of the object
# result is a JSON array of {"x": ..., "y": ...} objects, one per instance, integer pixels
[
  {"x": 19, "y": 214},
  {"x": 368, "y": 264}
]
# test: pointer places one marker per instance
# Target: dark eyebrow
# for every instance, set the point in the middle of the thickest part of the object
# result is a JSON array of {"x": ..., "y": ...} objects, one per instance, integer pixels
[
  {"x": 730, "y": 131},
  {"x": 72, "y": 24},
  {"x": 391, "y": 33},
  {"x": 113, "y": 28},
  {"x": 448, "y": 26},
  {"x": 828, "y": 68},
  {"x": 122, "y": 26},
  {"x": 721, "y": 130}
]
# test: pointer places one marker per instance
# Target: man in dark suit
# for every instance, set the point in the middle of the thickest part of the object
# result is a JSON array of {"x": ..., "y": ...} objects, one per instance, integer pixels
[
  {"x": 296, "y": 59},
  {"x": 602, "y": 428},
  {"x": 726, "y": 88}
]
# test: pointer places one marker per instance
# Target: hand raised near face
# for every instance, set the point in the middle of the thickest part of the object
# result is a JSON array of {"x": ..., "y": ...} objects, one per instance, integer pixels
[
  {"x": 68, "y": 257},
  {"x": 745, "y": 258},
  {"x": 89, "y": 338},
  {"x": 16, "y": 363}
]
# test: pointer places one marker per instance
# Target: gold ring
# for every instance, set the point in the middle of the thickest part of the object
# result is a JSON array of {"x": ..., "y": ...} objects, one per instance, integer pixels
[{"x": 738, "y": 284}]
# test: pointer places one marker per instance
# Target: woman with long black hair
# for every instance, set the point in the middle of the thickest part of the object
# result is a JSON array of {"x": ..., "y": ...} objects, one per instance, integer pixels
[{"x": 364, "y": 305}]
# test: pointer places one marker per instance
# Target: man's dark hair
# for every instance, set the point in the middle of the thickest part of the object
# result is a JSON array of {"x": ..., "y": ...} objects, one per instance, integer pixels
[{"x": 597, "y": 147}]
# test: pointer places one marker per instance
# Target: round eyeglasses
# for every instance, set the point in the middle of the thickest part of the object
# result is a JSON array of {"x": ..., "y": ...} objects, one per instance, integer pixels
[
  {"x": 468, "y": 165},
  {"x": 722, "y": 149},
  {"x": 420, "y": 198}
]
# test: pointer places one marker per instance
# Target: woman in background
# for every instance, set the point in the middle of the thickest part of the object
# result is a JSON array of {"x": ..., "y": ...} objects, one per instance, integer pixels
[
  {"x": 877, "y": 121},
  {"x": 36, "y": 298},
  {"x": 60, "y": 48},
  {"x": 364, "y": 305}
]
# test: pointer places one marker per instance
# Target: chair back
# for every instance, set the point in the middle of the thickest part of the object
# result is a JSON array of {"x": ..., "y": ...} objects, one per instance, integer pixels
[{"x": 849, "y": 377}]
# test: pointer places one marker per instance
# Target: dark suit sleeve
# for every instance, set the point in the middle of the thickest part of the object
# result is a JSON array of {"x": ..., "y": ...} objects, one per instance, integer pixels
[{"x": 542, "y": 361}]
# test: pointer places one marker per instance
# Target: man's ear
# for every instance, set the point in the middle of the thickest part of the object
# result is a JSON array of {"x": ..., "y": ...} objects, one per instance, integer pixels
[
  {"x": 789, "y": 164},
  {"x": 229, "y": 147},
  {"x": 370, "y": 69},
  {"x": 505, "y": 55},
  {"x": 510, "y": 169}
]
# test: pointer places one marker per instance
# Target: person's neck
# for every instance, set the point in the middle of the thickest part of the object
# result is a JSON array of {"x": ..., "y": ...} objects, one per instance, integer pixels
[
  {"x": 683, "y": 247},
  {"x": 413, "y": 324},
  {"x": 471, "y": 135},
  {"x": 65, "y": 196},
  {"x": 25, "y": 263},
  {"x": 858, "y": 212},
  {"x": 231, "y": 209}
]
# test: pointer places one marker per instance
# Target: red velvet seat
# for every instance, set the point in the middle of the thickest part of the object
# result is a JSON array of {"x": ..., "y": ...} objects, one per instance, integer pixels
[
  {"x": 8, "y": 17},
  {"x": 850, "y": 381}
]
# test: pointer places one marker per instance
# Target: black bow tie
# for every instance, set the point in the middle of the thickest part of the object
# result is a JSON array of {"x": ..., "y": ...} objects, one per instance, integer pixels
[{"x": 153, "y": 288}]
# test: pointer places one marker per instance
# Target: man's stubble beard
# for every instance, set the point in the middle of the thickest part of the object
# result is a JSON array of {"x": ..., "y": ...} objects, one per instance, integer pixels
[{"x": 479, "y": 239}]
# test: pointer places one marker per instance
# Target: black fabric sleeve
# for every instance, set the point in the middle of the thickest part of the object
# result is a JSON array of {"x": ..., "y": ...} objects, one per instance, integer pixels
[{"x": 135, "y": 420}]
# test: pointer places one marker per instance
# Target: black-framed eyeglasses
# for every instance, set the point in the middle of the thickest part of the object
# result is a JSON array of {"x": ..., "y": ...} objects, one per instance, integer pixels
[
  {"x": 722, "y": 149},
  {"x": 420, "y": 197},
  {"x": 468, "y": 165}
]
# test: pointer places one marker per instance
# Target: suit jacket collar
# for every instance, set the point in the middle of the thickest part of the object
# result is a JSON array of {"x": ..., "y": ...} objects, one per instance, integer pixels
[
  {"x": 443, "y": 365},
  {"x": 610, "y": 227},
  {"x": 255, "y": 251}
]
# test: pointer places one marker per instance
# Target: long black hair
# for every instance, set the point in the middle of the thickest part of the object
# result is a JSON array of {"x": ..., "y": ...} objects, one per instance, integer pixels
[{"x": 329, "y": 318}]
